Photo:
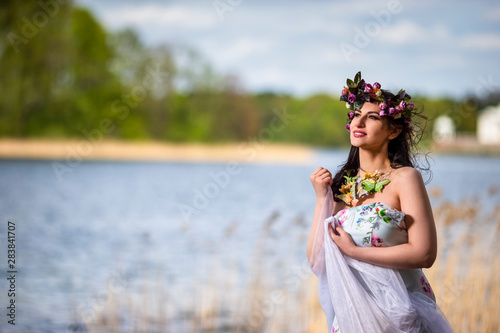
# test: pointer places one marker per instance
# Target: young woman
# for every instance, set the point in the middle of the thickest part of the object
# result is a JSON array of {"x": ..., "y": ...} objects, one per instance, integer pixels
[{"x": 373, "y": 228}]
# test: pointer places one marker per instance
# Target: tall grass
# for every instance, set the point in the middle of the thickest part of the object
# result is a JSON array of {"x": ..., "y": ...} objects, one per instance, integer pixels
[{"x": 465, "y": 279}]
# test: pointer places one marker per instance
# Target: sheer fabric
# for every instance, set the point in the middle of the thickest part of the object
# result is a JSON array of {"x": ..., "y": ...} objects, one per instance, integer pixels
[{"x": 364, "y": 297}]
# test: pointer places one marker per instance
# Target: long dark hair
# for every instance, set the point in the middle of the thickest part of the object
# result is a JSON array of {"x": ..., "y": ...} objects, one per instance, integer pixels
[{"x": 402, "y": 150}]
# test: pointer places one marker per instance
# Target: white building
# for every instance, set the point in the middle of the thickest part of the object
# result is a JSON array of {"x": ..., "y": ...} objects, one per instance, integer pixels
[
  {"x": 488, "y": 126},
  {"x": 444, "y": 130}
]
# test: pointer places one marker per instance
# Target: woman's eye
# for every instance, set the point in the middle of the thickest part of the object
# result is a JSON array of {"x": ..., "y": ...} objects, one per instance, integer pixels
[
  {"x": 374, "y": 117},
  {"x": 357, "y": 114}
]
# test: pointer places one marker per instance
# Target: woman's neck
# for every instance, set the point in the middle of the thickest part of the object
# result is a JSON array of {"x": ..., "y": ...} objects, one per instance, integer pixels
[{"x": 370, "y": 161}]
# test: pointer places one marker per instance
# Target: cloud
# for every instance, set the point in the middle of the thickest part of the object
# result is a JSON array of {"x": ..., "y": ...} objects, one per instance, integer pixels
[
  {"x": 409, "y": 32},
  {"x": 295, "y": 45},
  {"x": 481, "y": 42},
  {"x": 184, "y": 17},
  {"x": 492, "y": 14}
]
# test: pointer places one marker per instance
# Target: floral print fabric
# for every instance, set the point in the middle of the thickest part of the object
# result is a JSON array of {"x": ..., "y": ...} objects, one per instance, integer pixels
[{"x": 380, "y": 225}]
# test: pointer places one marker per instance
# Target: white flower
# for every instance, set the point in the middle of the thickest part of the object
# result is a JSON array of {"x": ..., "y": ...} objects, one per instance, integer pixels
[
  {"x": 378, "y": 93},
  {"x": 347, "y": 105}
]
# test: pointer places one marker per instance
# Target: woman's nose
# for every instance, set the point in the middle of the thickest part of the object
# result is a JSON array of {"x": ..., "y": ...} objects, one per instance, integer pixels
[{"x": 360, "y": 121}]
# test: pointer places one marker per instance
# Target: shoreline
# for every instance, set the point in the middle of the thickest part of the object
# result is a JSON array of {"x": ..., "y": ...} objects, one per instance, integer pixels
[{"x": 114, "y": 150}]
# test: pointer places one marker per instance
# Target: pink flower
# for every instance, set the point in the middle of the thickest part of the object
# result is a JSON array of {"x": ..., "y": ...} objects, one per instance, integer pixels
[
  {"x": 348, "y": 127},
  {"x": 351, "y": 98},
  {"x": 377, "y": 85},
  {"x": 411, "y": 106},
  {"x": 350, "y": 115},
  {"x": 398, "y": 108},
  {"x": 345, "y": 92},
  {"x": 426, "y": 287},
  {"x": 368, "y": 88},
  {"x": 376, "y": 240},
  {"x": 382, "y": 106},
  {"x": 402, "y": 105},
  {"x": 392, "y": 111},
  {"x": 382, "y": 113}
]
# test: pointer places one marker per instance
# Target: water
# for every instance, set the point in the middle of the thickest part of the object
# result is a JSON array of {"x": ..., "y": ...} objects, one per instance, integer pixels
[{"x": 109, "y": 226}]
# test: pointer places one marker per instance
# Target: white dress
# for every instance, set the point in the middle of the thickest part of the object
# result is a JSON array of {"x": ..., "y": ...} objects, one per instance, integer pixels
[{"x": 359, "y": 297}]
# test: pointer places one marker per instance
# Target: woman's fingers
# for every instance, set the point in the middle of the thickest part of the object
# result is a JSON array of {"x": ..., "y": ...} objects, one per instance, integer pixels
[
  {"x": 333, "y": 230},
  {"x": 321, "y": 173},
  {"x": 321, "y": 178}
]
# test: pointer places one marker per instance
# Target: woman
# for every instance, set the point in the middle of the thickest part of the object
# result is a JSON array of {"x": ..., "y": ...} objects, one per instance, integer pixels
[{"x": 373, "y": 228}]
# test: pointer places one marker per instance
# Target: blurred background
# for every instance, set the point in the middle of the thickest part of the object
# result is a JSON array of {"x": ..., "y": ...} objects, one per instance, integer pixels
[{"x": 155, "y": 155}]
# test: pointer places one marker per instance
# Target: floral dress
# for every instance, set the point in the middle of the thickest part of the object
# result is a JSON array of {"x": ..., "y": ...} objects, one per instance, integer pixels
[{"x": 380, "y": 225}]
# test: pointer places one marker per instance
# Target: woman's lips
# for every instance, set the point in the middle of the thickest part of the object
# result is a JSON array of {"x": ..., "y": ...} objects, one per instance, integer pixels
[{"x": 358, "y": 134}]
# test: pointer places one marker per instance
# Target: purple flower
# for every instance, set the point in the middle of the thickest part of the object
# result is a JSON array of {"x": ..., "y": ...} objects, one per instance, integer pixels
[
  {"x": 411, "y": 106},
  {"x": 377, "y": 85},
  {"x": 350, "y": 115},
  {"x": 392, "y": 111},
  {"x": 402, "y": 105},
  {"x": 351, "y": 98},
  {"x": 382, "y": 113},
  {"x": 382, "y": 106},
  {"x": 345, "y": 92},
  {"x": 368, "y": 88},
  {"x": 348, "y": 127}
]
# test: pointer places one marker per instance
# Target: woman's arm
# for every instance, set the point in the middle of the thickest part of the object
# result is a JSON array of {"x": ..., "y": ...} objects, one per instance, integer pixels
[
  {"x": 421, "y": 249},
  {"x": 321, "y": 179}
]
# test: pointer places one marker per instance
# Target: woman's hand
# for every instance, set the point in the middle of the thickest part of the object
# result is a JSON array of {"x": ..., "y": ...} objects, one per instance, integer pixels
[
  {"x": 321, "y": 179},
  {"x": 342, "y": 239}
]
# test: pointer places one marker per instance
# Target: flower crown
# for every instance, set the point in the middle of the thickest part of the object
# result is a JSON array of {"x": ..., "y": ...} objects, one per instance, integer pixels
[{"x": 358, "y": 92}]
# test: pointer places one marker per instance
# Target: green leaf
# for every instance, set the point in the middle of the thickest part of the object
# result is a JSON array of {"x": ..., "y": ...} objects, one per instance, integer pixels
[
  {"x": 387, "y": 219},
  {"x": 351, "y": 84},
  {"x": 380, "y": 185},
  {"x": 358, "y": 105},
  {"x": 368, "y": 185},
  {"x": 357, "y": 78}
]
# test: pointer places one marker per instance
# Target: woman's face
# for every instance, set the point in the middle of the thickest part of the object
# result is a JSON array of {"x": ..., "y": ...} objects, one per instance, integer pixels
[{"x": 368, "y": 129}]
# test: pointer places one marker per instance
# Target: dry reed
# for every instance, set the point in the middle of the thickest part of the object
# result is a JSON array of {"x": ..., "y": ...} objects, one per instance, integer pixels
[{"x": 465, "y": 279}]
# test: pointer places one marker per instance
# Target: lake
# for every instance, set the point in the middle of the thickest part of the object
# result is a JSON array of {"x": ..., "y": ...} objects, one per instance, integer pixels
[{"x": 114, "y": 227}]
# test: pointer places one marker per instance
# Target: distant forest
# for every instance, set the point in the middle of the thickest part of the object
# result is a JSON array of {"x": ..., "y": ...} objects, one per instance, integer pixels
[{"x": 63, "y": 75}]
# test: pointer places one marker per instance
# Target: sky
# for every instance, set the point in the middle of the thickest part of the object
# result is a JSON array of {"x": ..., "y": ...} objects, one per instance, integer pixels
[{"x": 448, "y": 48}]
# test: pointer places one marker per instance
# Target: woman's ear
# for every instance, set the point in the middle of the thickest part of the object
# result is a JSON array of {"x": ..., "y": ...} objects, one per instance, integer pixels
[{"x": 394, "y": 132}]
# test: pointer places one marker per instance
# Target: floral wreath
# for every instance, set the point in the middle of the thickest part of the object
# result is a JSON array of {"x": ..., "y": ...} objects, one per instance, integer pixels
[{"x": 358, "y": 92}]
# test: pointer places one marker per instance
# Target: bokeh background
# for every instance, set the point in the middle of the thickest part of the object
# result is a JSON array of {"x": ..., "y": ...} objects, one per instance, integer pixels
[{"x": 155, "y": 155}]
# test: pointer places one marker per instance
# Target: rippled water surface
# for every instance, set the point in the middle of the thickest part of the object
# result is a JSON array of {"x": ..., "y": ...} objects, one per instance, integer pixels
[{"x": 171, "y": 223}]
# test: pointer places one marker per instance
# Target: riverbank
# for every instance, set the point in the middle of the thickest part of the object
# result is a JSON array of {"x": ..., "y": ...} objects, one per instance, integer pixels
[{"x": 245, "y": 152}]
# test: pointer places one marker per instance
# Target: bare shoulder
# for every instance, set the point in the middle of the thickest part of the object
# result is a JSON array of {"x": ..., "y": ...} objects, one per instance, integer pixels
[
  {"x": 409, "y": 186},
  {"x": 406, "y": 174}
]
